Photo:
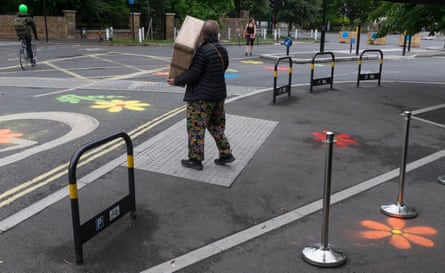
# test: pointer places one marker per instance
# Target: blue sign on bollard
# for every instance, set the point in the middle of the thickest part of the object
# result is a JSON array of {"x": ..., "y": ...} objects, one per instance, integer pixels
[
  {"x": 345, "y": 35},
  {"x": 288, "y": 42},
  {"x": 131, "y": 2}
]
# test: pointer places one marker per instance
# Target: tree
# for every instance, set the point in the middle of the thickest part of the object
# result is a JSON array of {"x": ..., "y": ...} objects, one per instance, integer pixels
[
  {"x": 299, "y": 12},
  {"x": 257, "y": 8},
  {"x": 411, "y": 18},
  {"x": 353, "y": 9},
  {"x": 204, "y": 9}
]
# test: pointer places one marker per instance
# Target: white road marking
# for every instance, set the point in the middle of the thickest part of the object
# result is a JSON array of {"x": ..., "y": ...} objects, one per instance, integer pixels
[
  {"x": 80, "y": 125},
  {"x": 236, "y": 239}
]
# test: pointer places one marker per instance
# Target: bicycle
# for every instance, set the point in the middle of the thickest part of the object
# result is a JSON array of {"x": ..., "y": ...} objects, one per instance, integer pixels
[{"x": 23, "y": 55}]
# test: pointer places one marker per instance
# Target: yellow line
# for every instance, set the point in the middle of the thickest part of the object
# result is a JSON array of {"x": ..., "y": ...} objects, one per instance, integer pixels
[
  {"x": 63, "y": 169},
  {"x": 120, "y": 64},
  {"x": 75, "y": 75},
  {"x": 165, "y": 59}
]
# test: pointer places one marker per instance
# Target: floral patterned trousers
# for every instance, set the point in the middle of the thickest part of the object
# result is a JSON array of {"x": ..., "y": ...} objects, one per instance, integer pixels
[{"x": 202, "y": 115}]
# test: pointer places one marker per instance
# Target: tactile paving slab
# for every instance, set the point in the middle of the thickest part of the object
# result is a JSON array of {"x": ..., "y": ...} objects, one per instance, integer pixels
[{"x": 163, "y": 152}]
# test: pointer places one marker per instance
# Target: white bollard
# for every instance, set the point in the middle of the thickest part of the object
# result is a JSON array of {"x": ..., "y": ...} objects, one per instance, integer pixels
[
  {"x": 140, "y": 36},
  {"x": 107, "y": 34},
  {"x": 296, "y": 34},
  {"x": 264, "y": 33},
  {"x": 228, "y": 33},
  {"x": 316, "y": 35}
]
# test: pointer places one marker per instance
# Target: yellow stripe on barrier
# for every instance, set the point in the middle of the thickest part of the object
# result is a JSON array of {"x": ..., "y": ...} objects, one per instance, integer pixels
[
  {"x": 130, "y": 160},
  {"x": 73, "y": 191},
  {"x": 275, "y": 74},
  {"x": 332, "y": 64},
  {"x": 359, "y": 61},
  {"x": 312, "y": 66},
  {"x": 381, "y": 61},
  {"x": 290, "y": 70}
]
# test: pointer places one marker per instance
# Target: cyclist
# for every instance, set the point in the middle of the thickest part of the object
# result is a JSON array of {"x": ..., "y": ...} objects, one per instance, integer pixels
[{"x": 23, "y": 25}]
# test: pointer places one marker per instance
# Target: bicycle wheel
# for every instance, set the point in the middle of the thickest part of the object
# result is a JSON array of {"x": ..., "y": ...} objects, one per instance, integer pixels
[{"x": 23, "y": 58}]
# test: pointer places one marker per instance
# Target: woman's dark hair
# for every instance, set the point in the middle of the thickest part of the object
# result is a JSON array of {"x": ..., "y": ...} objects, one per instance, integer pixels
[{"x": 210, "y": 31}]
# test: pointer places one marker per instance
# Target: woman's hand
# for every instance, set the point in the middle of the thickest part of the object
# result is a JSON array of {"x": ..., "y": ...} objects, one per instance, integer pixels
[{"x": 171, "y": 81}]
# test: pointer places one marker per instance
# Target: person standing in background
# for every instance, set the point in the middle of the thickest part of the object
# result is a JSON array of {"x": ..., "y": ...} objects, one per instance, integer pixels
[
  {"x": 205, "y": 96},
  {"x": 249, "y": 33}
]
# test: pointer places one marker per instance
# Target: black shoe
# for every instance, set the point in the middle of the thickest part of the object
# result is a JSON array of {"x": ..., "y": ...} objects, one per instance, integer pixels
[
  {"x": 33, "y": 62},
  {"x": 192, "y": 164},
  {"x": 246, "y": 54},
  {"x": 224, "y": 159},
  {"x": 250, "y": 54}
]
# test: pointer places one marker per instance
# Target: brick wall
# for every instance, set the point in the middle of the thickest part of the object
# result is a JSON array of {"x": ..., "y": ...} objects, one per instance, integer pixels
[
  {"x": 236, "y": 26},
  {"x": 64, "y": 27},
  {"x": 56, "y": 27}
]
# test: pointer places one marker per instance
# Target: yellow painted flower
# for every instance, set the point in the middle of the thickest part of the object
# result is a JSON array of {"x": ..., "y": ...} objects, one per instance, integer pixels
[{"x": 115, "y": 106}]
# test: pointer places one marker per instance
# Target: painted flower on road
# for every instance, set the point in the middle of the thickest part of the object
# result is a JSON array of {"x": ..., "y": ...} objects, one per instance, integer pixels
[
  {"x": 251, "y": 62},
  {"x": 341, "y": 140},
  {"x": 6, "y": 135},
  {"x": 71, "y": 98},
  {"x": 115, "y": 106},
  {"x": 399, "y": 235}
]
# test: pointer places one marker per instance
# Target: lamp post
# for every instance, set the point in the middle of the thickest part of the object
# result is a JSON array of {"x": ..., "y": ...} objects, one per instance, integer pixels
[
  {"x": 323, "y": 27},
  {"x": 46, "y": 22},
  {"x": 131, "y": 2}
]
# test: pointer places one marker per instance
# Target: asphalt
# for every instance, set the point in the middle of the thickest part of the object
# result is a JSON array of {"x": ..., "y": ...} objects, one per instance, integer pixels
[{"x": 270, "y": 207}]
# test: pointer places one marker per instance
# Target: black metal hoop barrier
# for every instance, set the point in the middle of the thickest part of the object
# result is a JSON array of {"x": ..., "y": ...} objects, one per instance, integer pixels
[
  {"x": 277, "y": 91},
  {"x": 86, "y": 231},
  {"x": 326, "y": 80},
  {"x": 369, "y": 76}
]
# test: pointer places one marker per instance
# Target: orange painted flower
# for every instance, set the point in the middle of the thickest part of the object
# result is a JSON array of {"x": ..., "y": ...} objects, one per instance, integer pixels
[
  {"x": 6, "y": 135},
  {"x": 399, "y": 235},
  {"x": 341, "y": 140}
]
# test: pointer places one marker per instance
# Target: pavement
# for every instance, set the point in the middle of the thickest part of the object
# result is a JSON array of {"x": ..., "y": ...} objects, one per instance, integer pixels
[{"x": 261, "y": 212}]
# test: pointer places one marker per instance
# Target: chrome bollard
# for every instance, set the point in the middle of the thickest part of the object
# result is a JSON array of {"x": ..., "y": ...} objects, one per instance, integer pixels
[
  {"x": 399, "y": 209},
  {"x": 323, "y": 254}
]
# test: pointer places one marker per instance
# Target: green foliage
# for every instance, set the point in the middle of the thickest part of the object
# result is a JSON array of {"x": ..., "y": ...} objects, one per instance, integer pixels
[
  {"x": 259, "y": 9},
  {"x": 204, "y": 9},
  {"x": 300, "y": 12},
  {"x": 411, "y": 18},
  {"x": 400, "y": 17},
  {"x": 354, "y": 10}
]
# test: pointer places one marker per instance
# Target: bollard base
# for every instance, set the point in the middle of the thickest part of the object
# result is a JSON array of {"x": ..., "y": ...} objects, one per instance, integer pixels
[
  {"x": 323, "y": 257},
  {"x": 441, "y": 179},
  {"x": 398, "y": 210}
]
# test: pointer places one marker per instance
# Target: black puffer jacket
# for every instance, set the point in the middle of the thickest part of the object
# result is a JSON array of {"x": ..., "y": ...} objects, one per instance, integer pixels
[{"x": 205, "y": 79}]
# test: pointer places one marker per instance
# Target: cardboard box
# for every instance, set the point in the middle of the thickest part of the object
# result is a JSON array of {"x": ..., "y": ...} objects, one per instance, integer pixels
[
  {"x": 415, "y": 40},
  {"x": 185, "y": 46},
  {"x": 346, "y": 36}
]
